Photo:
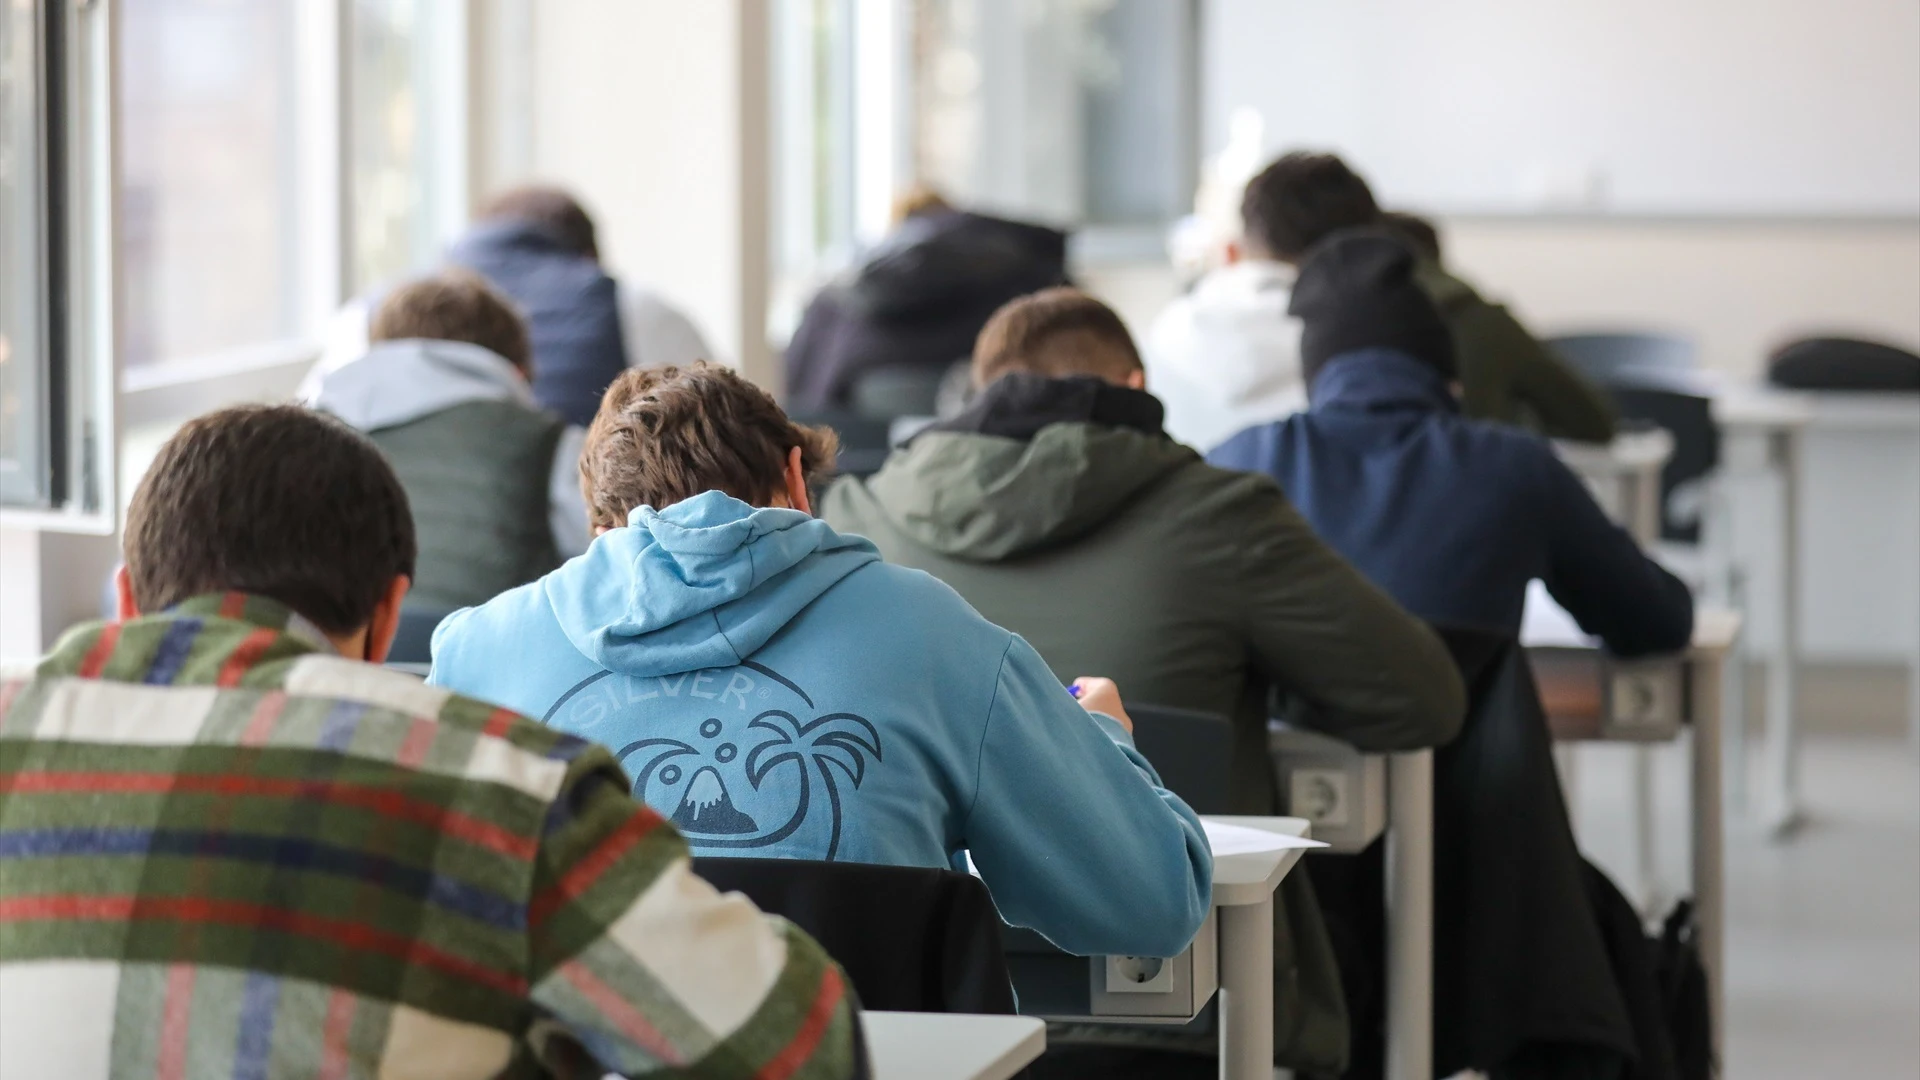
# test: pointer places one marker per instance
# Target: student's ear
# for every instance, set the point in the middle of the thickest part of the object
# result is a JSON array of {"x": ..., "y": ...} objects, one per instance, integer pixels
[
  {"x": 1234, "y": 252},
  {"x": 124, "y": 607},
  {"x": 386, "y": 619},
  {"x": 796, "y": 477},
  {"x": 1137, "y": 379}
]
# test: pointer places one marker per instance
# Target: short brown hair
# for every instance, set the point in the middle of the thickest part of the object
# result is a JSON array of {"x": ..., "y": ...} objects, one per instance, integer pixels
[
  {"x": 551, "y": 208},
  {"x": 669, "y": 433},
  {"x": 1055, "y": 332},
  {"x": 455, "y": 305},
  {"x": 274, "y": 500},
  {"x": 1301, "y": 199}
]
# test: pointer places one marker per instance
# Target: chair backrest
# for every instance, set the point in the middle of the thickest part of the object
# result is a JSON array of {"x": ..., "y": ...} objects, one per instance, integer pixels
[
  {"x": 912, "y": 939},
  {"x": 898, "y": 390},
  {"x": 865, "y": 441},
  {"x": 1696, "y": 452},
  {"x": 413, "y": 641},
  {"x": 1615, "y": 358},
  {"x": 1191, "y": 750},
  {"x": 1831, "y": 363}
]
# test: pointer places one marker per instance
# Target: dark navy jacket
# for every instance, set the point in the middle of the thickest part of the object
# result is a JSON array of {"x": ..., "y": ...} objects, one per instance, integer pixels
[
  {"x": 1454, "y": 517},
  {"x": 572, "y": 309}
]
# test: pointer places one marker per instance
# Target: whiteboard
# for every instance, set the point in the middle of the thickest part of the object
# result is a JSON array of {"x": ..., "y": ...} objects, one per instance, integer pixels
[{"x": 1635, "y": 107}]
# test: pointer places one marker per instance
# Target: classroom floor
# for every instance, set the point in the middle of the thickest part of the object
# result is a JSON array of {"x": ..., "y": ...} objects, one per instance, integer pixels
[{"x": 1823, "y": 933}]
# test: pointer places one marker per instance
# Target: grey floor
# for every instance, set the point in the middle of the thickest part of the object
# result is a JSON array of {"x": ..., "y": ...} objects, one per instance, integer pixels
[{"x": 1823, "y": 933}]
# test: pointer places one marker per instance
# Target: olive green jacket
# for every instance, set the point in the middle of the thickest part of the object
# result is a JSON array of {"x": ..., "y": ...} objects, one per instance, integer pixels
[
  {"x": 1121, "y": 553},
  {"x": 1507, "y": 374}
]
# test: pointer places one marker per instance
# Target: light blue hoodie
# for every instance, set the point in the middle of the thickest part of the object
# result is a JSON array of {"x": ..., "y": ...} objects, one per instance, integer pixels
[{"x": 778, "y": 691}]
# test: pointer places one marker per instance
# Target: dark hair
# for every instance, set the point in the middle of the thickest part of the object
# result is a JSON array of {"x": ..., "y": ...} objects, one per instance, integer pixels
[
  {"x": 455, "y": 305},
  {"x": 1300, "y": 199},
  {"x": 274, "y": 500},
  {"x": 1416, "y": 231},
  {"x": 549, "y": 207},
  {"x": 1057, "y": 333},
  {"x": 669, "y": 433}
]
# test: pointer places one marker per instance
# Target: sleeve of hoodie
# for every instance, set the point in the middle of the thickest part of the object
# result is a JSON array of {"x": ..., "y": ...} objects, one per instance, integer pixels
[
  {"x": 1368, "y": 672},
  {"x": 1071, "y": 830},
  {"x": 1597, "y": 571},
  {"x": 1526, "y": 378}
]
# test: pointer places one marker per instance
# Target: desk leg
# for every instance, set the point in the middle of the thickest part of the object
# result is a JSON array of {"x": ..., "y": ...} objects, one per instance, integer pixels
[
  {"x": 1410, "y": 916},
  {"x": 1781, "y": 759},
  {"x": 1246, "y": 983},
  {"x": 1709, "y": 870}
]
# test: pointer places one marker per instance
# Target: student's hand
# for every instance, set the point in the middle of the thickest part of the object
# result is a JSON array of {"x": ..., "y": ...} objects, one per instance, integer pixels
[{"x": 1101, "y": 696}]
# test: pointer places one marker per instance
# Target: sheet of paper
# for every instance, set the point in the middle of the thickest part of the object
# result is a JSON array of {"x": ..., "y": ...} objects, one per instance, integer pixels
[
  {"x": 1229, "y": 839},
  {"x": 1546, "y": 623}
]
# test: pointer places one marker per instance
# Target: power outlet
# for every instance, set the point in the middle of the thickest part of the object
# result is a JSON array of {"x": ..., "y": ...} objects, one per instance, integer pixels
[{"x": 1139, "y": 975}]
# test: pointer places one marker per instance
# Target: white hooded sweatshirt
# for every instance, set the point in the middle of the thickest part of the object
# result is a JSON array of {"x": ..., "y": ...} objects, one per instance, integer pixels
[
  {"x": 393, "y": 382},
  {"x": 1226, "y": 356}
]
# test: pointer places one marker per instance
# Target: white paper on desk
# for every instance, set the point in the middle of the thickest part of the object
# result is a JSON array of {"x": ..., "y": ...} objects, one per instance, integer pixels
[
  {"x": 1547, "y": 624},
  {"x": 1228, "y": 839}
]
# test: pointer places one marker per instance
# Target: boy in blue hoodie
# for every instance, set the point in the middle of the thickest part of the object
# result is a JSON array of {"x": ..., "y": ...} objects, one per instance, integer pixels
[{"x": 778, "y": 691}]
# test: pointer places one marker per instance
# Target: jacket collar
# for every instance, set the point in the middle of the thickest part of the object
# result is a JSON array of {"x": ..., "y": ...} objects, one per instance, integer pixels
[
  {"x": 1380, "y": 380},
  {"x": 1020, "y": 405},
  {"x": 214, "y": 639}
]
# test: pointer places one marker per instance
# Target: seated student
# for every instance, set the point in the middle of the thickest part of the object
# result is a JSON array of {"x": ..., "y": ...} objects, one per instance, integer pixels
[
  {"x": 491, "y": 478},
  {"x": 919, "y": 299},
  {"x": 231, "y": 846},
  {"x": 537, "y": 245},
  {"x": 780, "y": 692},
  {"x": 1452, "y": 516},
  {"x": 1227, "y": 354},
  {"x": 1202, "y": 585}
]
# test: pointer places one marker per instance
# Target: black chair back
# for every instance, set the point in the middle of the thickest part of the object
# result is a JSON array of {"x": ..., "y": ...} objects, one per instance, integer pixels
[
  {"x": 912, "y": 939},
  {"x": 1696, "y": 452},
  {"x": 413, "y": 641},
  {"x": 894, "y": 390},
  {"x": 1612, "y": 358},
  {"x": 1191, "y": 750},
  {"x": 1831, "y": 363}
]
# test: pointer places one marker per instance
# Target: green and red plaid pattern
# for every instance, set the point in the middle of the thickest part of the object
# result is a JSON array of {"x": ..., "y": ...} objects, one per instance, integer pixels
[{"x": 227, "y": 852}]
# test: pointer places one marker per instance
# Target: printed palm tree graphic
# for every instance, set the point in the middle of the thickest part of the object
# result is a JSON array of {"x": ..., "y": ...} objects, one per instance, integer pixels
[{"x": 836, "y": 745}]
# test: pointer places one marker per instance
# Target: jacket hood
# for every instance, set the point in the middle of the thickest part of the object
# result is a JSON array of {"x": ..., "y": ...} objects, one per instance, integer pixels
[
  {"x": 396, "y": 382},
  {"x": 487, "y": 241},
  {"x": 990, "y": 497},
  {"x": 1381, "y": 380},
  {"x": 1243, "y": 346},
  {"x": 702, "y": 584},
  {"x": 936, "y": 262}
]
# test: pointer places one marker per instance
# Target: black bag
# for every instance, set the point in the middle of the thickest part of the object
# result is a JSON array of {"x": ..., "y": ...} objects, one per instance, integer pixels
[
  {"x": 1683, "y": 994},
  {"x": 1830, "y": 363}
]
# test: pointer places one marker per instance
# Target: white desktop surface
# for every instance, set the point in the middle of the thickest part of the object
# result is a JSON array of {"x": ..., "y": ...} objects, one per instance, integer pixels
[
  {"x": 1239, "y": 880},
  {"x": 951, "y": 1046}
]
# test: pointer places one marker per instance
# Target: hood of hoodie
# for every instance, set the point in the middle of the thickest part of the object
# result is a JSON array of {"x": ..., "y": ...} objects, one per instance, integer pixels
[
  {"x": 1235, "y": 327},
  {"x": 973, "y": 494},
  {"x": 702, "y": 584},
  {"x": 396, "y": 382},
  {"x": 936, "y": 262}
]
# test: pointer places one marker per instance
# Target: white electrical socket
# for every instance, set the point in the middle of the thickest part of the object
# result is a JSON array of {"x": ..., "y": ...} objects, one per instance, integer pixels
[{"x": 1139, "y": 975}]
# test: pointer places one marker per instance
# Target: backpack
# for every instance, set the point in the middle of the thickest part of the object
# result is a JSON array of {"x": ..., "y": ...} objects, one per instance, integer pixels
[{"x": 1683, "y": 993}]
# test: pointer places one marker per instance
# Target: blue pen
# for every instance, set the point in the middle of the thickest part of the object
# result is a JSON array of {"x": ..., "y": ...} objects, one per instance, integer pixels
[{"x": 1074, "y": 690}]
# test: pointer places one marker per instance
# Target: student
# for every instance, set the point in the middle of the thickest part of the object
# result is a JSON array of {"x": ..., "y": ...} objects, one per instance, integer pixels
[
  {"x": 1452, "y": 516},
  {"x": 492, "y": 479},
  {"x": 919, "y": 299},
  {"x": 538, "y": 246},
  {"x": 229, "y": 845},
  {"x": 1226, "y": 356},
  {"x": 780, "y": 692},
  {"x": 1202, "y": 585}
]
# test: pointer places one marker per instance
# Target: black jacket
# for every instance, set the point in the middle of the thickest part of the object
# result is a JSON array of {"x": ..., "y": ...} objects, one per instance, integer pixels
[
  {"x": 919, "y": 300},
  {"x": 1453, "y": 517}
]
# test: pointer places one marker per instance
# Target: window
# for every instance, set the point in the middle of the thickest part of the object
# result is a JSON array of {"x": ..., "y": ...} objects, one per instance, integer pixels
[
  {"x": 24, "y": 454},
  {"x": 408, "y": 135},
  {"x": 1080, "y": 112},
  {"x": 212, "y": 195}
]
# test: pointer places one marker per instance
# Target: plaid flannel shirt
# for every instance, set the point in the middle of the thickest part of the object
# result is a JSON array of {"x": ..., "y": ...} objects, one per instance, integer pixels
[{"x": 226, "y": 851}]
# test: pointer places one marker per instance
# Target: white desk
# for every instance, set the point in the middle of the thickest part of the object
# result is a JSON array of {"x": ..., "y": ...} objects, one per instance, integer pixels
[
  {"x": 951, "y": 1046},
  {"x": 1776, "y": 421},
  {"x": 1243, "y": 887},
  {"x": 1624, "y": 476}
]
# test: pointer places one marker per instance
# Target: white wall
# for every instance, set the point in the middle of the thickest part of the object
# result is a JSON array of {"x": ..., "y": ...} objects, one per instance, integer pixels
[
  {"x": 655, "y": 111},
  {"x": 1643, "y": 106}
]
